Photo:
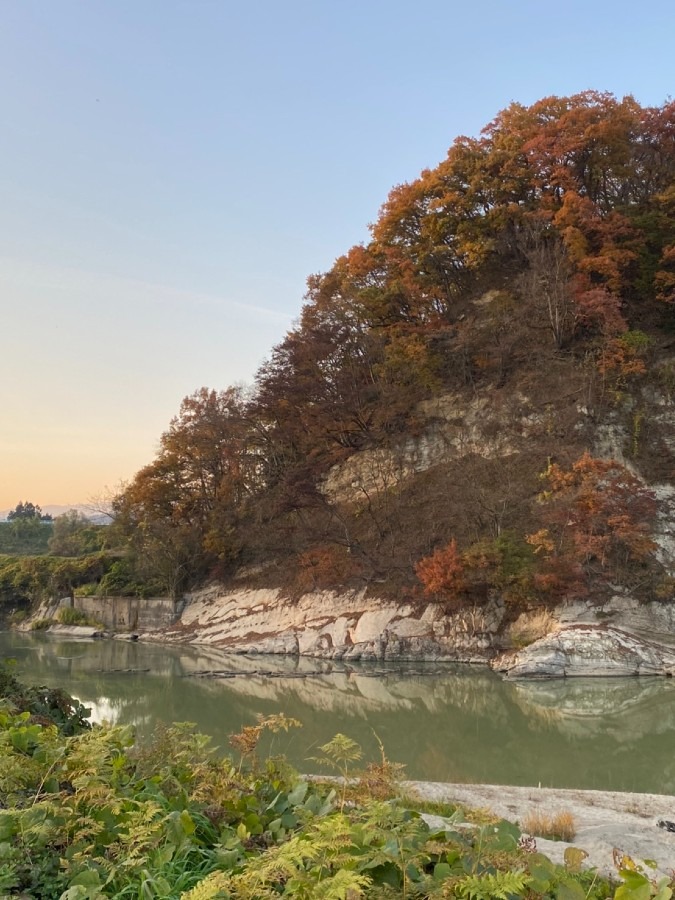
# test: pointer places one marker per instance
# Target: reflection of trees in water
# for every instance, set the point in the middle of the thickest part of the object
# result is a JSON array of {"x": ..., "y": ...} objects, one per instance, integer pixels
[{"x": 459, "y": 724}]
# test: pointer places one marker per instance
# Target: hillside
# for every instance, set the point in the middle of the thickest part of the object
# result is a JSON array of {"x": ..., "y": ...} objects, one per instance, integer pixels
[{"x": 478, "y": 401}]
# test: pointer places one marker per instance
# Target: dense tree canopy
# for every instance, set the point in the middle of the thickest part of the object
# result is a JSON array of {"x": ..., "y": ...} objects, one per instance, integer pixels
[{"x": 73, "y": 534}]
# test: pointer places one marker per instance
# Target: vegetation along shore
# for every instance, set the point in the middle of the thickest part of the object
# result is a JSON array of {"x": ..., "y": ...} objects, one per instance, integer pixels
[{"x": 89, "y": 813}]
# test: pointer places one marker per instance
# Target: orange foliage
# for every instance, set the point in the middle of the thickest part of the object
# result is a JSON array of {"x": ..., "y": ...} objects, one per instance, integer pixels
[
  {"x": 502, "y": 564},
  {"x": 566, "y": 209},
  {"x": 324, "y": 566},
  {"x": 623, "y": 358},
  {"x": 665, "y": 278},
  {"x": 597, "y": 512},
  {"x": 443, "y": 572},
  {"x": 541, "y": 541},
  {"x": 598, "y": 309}
]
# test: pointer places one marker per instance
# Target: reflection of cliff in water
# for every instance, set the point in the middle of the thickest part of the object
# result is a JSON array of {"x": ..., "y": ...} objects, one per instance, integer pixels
[
  {"x": 445, "y": 723},
  {"x": 622, "y": 707}
]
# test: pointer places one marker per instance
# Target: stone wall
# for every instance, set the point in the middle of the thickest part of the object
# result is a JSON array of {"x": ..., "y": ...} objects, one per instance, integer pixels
[{"x": 129, "y": 613}]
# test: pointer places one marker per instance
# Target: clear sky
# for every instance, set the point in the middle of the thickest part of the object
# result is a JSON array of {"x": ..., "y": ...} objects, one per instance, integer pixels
[{"x": 172, "y": 170}]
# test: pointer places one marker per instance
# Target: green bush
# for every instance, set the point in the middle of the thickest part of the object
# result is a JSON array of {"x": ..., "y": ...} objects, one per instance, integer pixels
[
  {"x": 36, "y": 578},
  {"x": 90, "y": 589},
  {"x": 73, "y": 534},
  {"x": 18, "y": 616},
  {"x": 52, "y": 705},
  {"x": 25, "y": 537},
  {"x": 69, "y": 616},
  {"x": 121, "y": 580}
]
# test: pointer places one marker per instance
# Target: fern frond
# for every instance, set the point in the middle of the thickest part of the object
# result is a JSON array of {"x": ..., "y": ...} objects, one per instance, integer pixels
[
  {"x": 344, "y": 885},
  {"x": 497, "y": 886},
  {"x": 213, "y": 887}
]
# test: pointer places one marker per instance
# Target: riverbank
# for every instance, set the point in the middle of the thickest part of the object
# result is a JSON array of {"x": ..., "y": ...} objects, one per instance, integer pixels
[
  {"x": 446, "y": 722},
  {"x": 620, "y": 637},
  {"x": 607, "y": 822},
  {"x": 456, "y": 725}
]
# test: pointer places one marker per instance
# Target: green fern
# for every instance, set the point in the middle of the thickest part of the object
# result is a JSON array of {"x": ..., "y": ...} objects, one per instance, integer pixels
[
  {"x": 497, "y": 886},
  {"x": 213, "y": 887},
  {"x": 339, "y": 753},
  {"x": 344, "y": 885}
]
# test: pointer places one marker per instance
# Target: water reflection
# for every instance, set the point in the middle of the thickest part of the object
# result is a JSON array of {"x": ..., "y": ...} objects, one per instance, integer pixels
[{"x": 445, "y": 723}]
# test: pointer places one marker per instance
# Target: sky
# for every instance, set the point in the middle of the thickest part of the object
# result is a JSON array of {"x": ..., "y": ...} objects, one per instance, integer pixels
[{"x": 173, "y": 170}]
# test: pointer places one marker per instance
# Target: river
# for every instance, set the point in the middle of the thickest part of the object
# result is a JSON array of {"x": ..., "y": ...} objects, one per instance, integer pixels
[{"x": 444, "y": 722}]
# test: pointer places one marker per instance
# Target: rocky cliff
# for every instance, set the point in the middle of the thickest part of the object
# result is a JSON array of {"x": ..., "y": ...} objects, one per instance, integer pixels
[
  {"x": 623, "y": 637},
  {"x": 348, "y": 625}
]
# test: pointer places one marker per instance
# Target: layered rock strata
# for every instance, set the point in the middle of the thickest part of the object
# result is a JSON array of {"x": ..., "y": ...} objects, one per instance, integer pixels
[
  {"x": 588, "y": 650},
  {"x": 337, "y": 626}
]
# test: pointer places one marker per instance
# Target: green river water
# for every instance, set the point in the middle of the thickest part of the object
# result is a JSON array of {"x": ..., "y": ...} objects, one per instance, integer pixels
[{"x": 444, "y": 722}]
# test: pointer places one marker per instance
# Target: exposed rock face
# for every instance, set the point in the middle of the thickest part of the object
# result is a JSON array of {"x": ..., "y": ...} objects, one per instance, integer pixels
[
  {"x": 454, "y": 429},
  {"x": 590, "y": 650},
  {"x": 622, "y": 637},
  {"x": 336, "y": 626}
]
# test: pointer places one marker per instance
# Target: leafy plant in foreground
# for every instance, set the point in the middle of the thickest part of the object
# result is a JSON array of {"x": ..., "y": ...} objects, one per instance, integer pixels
[{"x": 92, "y": 815}]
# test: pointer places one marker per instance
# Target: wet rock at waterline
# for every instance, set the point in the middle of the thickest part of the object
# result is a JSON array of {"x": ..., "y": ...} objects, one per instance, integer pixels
[
  {"x": 344, "y": 626},
  {"x": 588, "y": 650},
  {"x": 619, "y": 637}
]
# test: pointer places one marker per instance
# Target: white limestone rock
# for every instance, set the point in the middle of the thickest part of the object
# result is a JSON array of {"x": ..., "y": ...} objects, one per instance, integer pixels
[
  {"x": 588, "y": 650},
  {"x": 331, "y": 625}
]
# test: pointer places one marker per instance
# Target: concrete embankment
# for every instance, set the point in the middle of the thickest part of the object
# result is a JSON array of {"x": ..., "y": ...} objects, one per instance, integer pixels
[{"x": 111, "y": 614}]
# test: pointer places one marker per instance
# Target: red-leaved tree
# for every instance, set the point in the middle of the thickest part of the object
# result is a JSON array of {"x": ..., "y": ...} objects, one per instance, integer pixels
[{"x": 598, "y": 518}]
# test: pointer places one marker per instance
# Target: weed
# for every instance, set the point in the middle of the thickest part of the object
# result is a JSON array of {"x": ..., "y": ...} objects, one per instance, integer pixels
[
  {"x": 69, "y": 616},
  {"x": 94, "y": 816},
  {"x": 18, "y": 616},
  {"x": 529, "y": 627},
  {"x": 556, "y": 827}
]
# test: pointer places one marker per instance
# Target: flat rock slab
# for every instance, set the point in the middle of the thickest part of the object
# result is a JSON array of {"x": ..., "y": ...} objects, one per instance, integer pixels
[{"x": 605, "y": 820}]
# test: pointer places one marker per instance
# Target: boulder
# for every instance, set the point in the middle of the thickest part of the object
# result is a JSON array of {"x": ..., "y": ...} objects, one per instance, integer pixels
[{"x": 588, "y": 650}]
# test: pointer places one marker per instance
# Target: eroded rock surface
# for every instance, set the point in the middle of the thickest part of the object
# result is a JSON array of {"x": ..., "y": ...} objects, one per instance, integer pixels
[
  {"x": 605, "y": 820},
  {"x": 583, "y": 649},
  {"x": 347, "y": 626}
]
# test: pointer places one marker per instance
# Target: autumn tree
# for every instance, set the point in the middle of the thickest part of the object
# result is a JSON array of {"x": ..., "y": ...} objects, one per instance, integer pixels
[
  {"x": 443, "y": 573},
  {"x": 549, "y": 236},
  {"x": 181, "y": 510},
  {"x": 501, "y": 566},
  {"x": 598, "y": 518},
  {"x": 547, "y": 282}
]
